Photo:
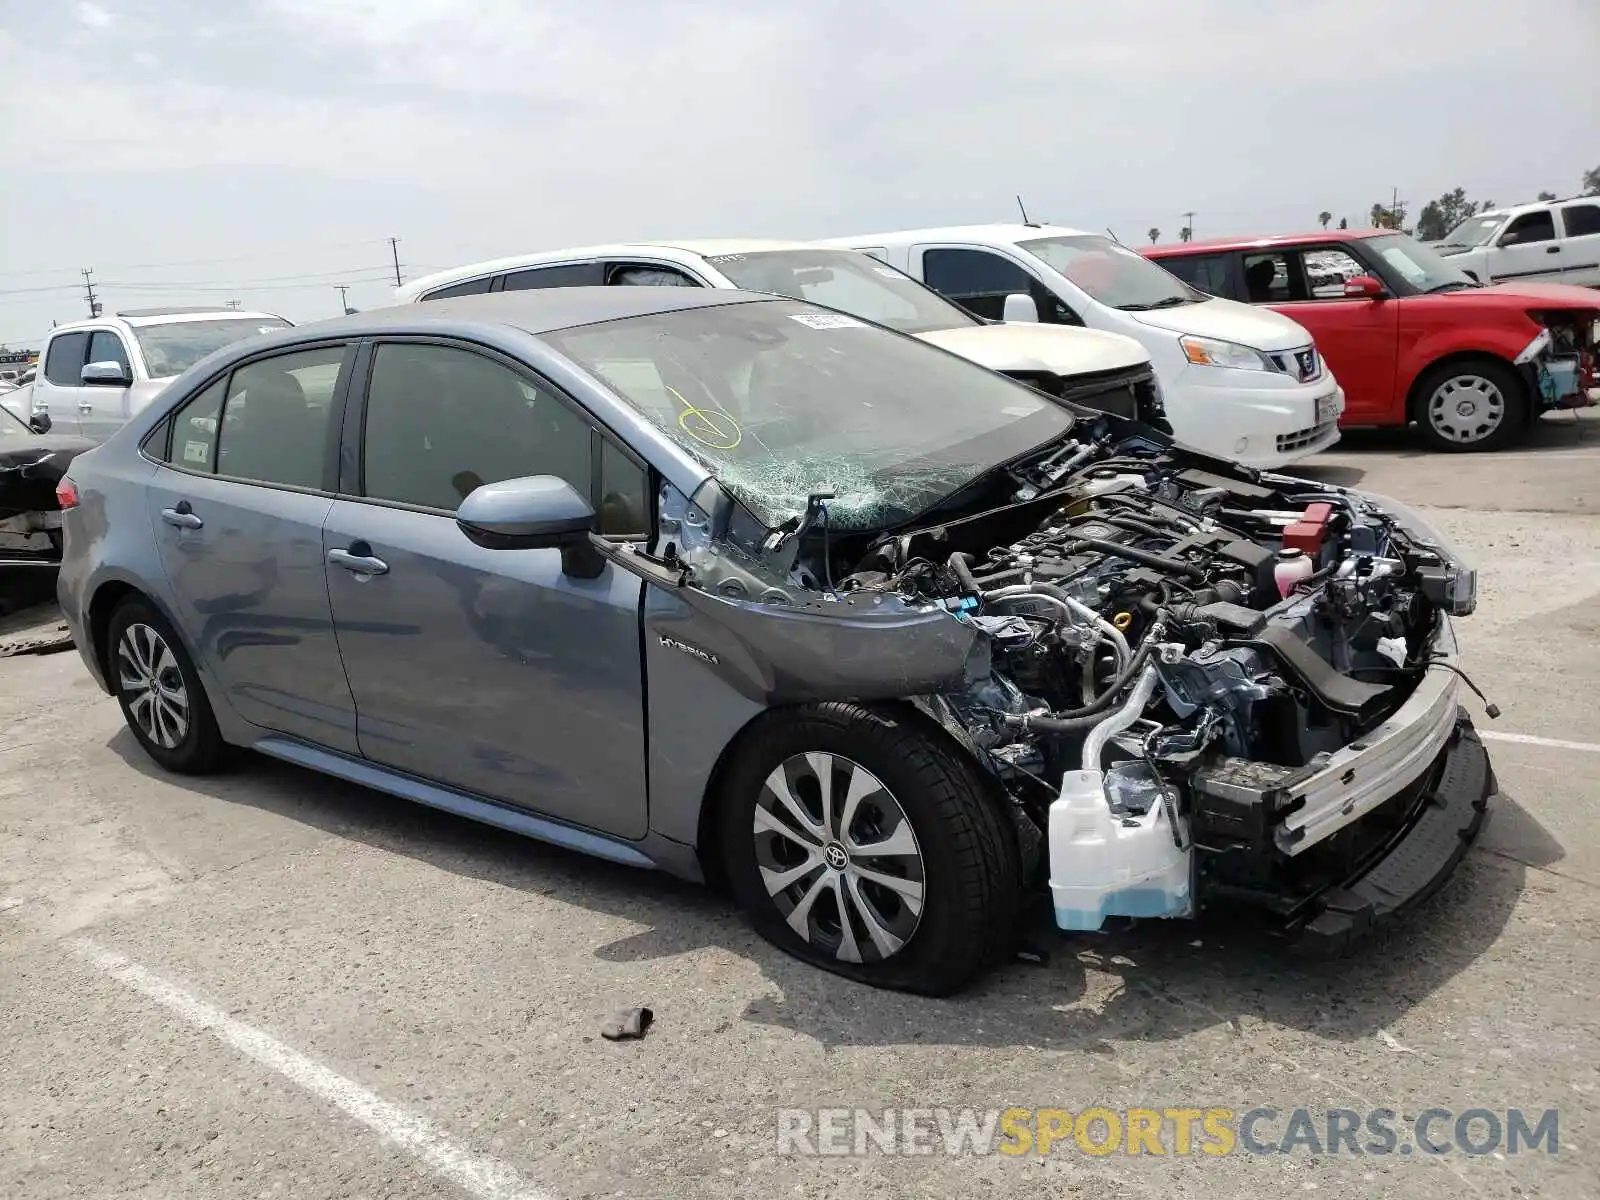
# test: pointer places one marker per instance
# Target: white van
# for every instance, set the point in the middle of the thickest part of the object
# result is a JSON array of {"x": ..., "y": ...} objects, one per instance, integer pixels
[
  {"x": 1241, "y": 383},
  {"x": 1097, "y": 370}
]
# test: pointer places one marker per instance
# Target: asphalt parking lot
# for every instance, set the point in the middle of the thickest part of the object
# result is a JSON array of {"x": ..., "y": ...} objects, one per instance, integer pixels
[{"x": 273, "y": 984}]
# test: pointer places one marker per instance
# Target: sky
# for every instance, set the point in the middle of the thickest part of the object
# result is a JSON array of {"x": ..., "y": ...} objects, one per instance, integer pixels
[{"x": 265, "y": 150}]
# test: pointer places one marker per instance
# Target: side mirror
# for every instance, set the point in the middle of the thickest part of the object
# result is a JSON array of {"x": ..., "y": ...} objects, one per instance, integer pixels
[
  {"x": 40, "y": 422},
  {"x": 106, "y": 374},
  {"x": 1363, "y": 287},
  {"x": 539, "y": 512},
  {"x": 1020, "y": 309}
]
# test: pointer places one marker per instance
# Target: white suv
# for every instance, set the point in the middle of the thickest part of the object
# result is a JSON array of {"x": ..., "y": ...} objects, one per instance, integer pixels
[
  {"x": 94, "y": 375},
  {"x": 1098, "y": 370},
  {"x": 1240, "y": 382},
  {"x": 1556, "y": 242}
]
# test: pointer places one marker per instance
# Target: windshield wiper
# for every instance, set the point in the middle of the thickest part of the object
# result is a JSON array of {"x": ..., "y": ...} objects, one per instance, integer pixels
[
  {"x": 1451, "y": 285},
  {"x": 1164, "y": 302}
]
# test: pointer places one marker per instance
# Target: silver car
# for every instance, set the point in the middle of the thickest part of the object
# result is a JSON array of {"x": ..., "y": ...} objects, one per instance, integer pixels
[{"x": 743, "y": 588}]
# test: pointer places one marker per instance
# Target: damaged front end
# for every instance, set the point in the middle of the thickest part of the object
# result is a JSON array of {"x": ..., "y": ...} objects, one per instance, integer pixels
[
  {"x": 1560, "y": 364},
  {"x": 1198, "y": 686}
]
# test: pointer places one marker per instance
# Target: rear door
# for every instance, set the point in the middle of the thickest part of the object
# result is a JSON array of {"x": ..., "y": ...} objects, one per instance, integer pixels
[
  {"x": 1580, "y": 245},
  {"x": 1528, "y": 248},
  {"x": 487, "y": 670},
  {"x": 237, "y": 511},
  {"x": 575, "y": 274},
  {"x": 59, "y": 383},
  {"x": 103, "y": 408}
]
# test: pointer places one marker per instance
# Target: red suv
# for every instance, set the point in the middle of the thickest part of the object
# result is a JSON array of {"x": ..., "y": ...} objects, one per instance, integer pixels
[{"x": 1410, "y": 337}]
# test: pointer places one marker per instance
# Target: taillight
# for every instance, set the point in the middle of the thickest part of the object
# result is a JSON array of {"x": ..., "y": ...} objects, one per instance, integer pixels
[{"x": 66, "y": 494}]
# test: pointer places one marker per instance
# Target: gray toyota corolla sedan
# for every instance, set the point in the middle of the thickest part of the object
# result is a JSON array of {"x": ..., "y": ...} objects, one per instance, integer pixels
[{"x": 744, "y": 588}]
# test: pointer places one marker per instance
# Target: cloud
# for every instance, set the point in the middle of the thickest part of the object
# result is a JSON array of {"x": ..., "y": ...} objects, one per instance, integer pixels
[{"x": 94, "y": 15}]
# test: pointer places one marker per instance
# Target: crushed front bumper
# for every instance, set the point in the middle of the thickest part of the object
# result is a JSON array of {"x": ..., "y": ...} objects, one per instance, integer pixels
[{"x": 1415, "y": 865}]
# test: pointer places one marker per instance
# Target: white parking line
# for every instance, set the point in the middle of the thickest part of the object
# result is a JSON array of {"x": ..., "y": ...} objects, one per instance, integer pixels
[
  {"x": 1527, "y": 739},
  {"x": 479, "y": 1175}
]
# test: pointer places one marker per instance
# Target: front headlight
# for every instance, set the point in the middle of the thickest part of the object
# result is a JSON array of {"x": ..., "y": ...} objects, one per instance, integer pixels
[{"x": 1208, "y": 352}]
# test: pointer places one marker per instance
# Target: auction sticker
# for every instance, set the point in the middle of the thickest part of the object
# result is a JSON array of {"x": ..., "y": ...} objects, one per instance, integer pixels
[{"x": 827, "y": 321}]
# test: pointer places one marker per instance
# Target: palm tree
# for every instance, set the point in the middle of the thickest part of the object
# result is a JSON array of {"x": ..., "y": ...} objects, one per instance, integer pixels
[
  {"x": 1185, "y": 234},
  {"x": 1591, "y": 182},
  {"x": 1155, "y": 235},
  {"x": 1324, "y": 217}
]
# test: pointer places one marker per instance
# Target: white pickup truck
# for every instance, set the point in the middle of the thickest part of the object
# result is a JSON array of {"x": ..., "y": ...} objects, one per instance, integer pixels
[
  {"x": 94, "y": 375},
  {"x": 1555, "y": 242}
]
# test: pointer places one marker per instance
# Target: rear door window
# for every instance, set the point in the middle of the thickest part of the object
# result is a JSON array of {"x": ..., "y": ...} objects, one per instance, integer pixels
[
  {"x": 63, "y": 363},
  {"x": 567, "y": 275},
  {"x": 278, "y": 418},
  {"x": 1273, "y": 278},
  {"x": 469, "y": 287},
  {"x": 1581, "y": 220}
]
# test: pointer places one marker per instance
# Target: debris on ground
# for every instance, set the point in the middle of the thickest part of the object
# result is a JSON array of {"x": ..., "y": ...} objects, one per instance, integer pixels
[
  {"x": 38, "y": 629},
  {"x": 626, "y": 1024}
]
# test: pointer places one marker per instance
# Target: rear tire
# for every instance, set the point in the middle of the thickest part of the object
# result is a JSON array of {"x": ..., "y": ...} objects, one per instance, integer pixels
[
  {"x": 1471, "y": 404},
  {"x": 901, "y": 870},
  {"x": 162, "y": 698}
]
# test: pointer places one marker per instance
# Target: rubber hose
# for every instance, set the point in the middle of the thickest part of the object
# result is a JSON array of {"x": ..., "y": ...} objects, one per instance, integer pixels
[
  {"x": 1143, "y": 557},
  {"x": 961, "y": 565}
]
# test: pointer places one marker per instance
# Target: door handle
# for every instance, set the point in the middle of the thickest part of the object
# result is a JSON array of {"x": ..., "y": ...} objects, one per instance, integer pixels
[
  {"x": 181, "y": 516},
  {"x": 360, "y": 564},
  {"x": 84, "y": 406},
  {"x": 1552, "y": 249}
]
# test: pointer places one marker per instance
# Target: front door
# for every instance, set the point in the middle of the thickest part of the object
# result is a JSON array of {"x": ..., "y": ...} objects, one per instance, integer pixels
[
  {"x": 1528, "y": 249},
  {"x": 1358, "y": 339},
  {"x": 237, "y": 513},
  {"x": 103, "y": 408},
  {"x": 487, "y": 670}
]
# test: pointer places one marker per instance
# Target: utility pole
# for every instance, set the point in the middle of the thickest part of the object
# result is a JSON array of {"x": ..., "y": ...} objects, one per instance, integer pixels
[
  {"x": 342, "y": 288},
  {"x": 88, "y": 283},
  {"x": 394, "y": 249}
]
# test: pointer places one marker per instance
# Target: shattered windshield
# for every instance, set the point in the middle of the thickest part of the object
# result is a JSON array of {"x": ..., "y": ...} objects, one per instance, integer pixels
[
  {"x": 847, "y": 280},
  {"x": 782, "y": 400}
]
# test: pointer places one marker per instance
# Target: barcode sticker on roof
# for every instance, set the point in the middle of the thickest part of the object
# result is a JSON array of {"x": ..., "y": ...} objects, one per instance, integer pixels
[{"x": 827, "y": 321}]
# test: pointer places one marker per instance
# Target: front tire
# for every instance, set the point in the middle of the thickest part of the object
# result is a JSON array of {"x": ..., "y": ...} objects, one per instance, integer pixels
[
  {"x": 159, "y": 690},
  {"x": 864, "y": 843},
  {"x": 1471, "y": 405}
]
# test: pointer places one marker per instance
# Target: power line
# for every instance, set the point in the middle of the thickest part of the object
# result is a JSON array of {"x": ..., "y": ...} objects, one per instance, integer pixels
[{"x": 196, "y": 262}]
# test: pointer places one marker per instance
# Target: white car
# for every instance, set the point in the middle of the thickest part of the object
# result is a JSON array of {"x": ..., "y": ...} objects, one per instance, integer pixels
[
  {"x": 94, "y": 375},
  {"x": 1095, "y": 369},
  {"x": 1241, "y": 383},
  {"x": 1554, "y": 242}
]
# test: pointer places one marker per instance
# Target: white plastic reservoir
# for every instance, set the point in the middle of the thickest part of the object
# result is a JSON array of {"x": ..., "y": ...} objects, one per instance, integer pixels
[{"x": 1105, "y": 864}]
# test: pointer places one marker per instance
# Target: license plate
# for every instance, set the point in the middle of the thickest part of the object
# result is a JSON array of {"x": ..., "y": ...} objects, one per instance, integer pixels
[{"x": 1327, "y": 408}]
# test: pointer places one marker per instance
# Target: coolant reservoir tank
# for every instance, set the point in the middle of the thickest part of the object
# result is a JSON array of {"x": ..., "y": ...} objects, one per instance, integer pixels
[
  {"x": 1105, "y": 864},
  {"x": 1098, "y": 486}
]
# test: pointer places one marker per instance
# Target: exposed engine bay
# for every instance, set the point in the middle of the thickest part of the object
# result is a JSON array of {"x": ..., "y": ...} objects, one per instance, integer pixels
[
  {"x": 1560, "y": 364},
  {"x": 1194, "y": 682}
]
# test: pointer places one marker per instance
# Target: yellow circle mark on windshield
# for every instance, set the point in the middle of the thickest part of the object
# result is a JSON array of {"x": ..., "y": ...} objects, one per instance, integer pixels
[{"x": 708, "y": 426}]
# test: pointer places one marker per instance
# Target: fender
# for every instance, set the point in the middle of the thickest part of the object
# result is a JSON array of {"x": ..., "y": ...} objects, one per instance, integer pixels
[{"x": 1500, "y": 339}]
